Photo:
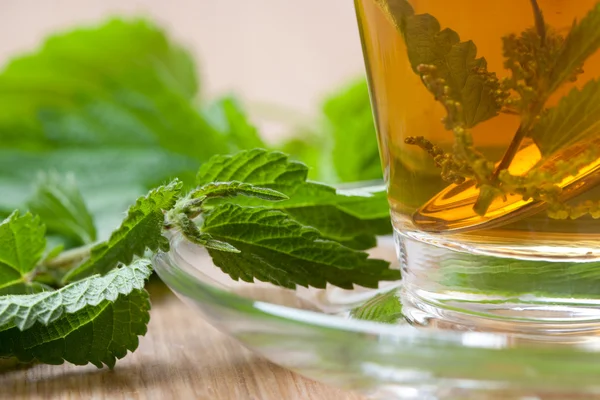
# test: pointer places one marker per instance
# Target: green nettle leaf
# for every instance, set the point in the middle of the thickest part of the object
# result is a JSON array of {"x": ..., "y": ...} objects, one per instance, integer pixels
[
  {"x": 24, "y": 311},
  {"x": 258, "y": 167},
  {"x": 583, "y": 41},
  {"x": 193, "y": 204},
  {"x": 343, "y": 147},
  {"x": 274, "y": 248},
  {"x": 206, "y": 240},
  {"x": 99, "y": 101},
  {"x": 106, "y": 189},
  {"x": 353, "y": 218},
  {"x": 98, "y": 334},
  {"x": 312, "y": 147},
  {"x": 235, "y": 188},
  {"x": 151, "y": 83},
  {"x": 142, "y": 229},
  {"x": 398, "y": 9},
  {"x": 228, "y": 118},
  {"x": 456, "y": 61},
  {"x": 576, "y": 118},
  {"x": 350, "y": 120},
  {"x": 58, "y": 202},
  {"x": 22, "y": 243},
  {"x": 385, "y": 307}
]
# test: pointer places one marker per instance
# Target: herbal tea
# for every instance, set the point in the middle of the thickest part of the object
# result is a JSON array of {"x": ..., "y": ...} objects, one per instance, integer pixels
[
  {"x": 488, "y": 116},
  {"x": 489, "y": 120}
]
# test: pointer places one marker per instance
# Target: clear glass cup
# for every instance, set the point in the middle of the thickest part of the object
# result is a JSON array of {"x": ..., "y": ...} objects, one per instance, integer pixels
[{"x": 488, "y": 118}]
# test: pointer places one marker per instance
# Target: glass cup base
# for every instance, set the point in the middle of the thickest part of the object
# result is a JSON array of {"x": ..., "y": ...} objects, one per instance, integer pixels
[{"x": 447, "y": 289}]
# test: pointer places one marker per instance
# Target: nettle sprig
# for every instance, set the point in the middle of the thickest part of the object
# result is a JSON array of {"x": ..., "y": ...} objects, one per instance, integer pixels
[
  {"x": 540, "y": 61},
  {"x": 259, "y": 218},
  {"x": 254, "y": 212}
]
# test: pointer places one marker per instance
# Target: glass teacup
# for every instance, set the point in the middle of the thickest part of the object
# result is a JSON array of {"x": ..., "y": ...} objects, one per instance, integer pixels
[{"x": 488, "y": 117}]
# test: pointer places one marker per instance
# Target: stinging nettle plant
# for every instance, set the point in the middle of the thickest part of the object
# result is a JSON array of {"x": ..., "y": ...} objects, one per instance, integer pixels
[{"x": 254, "y": 212}]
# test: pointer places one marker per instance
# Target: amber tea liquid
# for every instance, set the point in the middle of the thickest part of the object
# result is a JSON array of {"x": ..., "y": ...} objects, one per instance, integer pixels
[
  {"x": 439, "y": 231},
  {"x": 404, "y": 107}
]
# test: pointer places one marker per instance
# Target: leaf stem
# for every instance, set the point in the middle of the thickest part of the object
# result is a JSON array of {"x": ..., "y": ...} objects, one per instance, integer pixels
[
  {"x": 540, "y": 24},
  {"x": 511, "y": 152},
  {"x": 485, "y": 199},
  {"x": 521, "y": 133},
  {"x": 68, "y": 258},
  {"x": 527, "y": 122}
]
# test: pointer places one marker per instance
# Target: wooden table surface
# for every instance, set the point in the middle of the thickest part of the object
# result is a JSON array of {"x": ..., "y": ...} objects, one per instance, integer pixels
[{"x": 181, "y": 357}]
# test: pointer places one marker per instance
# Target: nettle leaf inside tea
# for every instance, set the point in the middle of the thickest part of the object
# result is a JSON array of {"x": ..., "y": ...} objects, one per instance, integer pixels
[
  {"x": 553, "y": 155},
  {"x": 456, "y": 62}
]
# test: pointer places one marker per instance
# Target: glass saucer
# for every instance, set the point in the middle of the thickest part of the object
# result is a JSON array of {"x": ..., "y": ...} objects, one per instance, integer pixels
[{"x": 310, "y": 332}]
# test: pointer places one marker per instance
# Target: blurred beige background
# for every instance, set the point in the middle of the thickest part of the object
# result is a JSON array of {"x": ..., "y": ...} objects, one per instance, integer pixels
[{"x": 285, "y": 52}]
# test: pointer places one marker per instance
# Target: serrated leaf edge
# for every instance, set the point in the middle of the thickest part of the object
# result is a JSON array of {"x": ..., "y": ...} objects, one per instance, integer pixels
[
  {"x": 101, "y": 249},
  {"x": 47, "y": 307}
]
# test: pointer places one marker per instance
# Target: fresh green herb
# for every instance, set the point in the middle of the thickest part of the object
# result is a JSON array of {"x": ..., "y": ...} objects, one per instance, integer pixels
[
  {"x": 59, "y": 203},
  {"x": 272, "y": 238},
  {"x": 98, "y": 334},
  {"x": 194, "y": 204},
  {"x": 232, "y": 189},
  {"x": 96, "y": 320},
  {"x": 312, "y": 148},
  {"x": 275, "y": 248},
  {"x": 385, "y": 308},
  {"x": 248, "y": 241},
  {"x": 353, "y": 218},
  {"x": 227, "y": 117},
  {"x": 141, "y": 229},
  {"x": 98, "y": 101},
  {"x": 22, "y": 244},
  {"x": 258, "y": 167},
  {"x": 347, "y": 128},
  {"x": 350, "y": 119},
  {"x": 23, "y": 311}
]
